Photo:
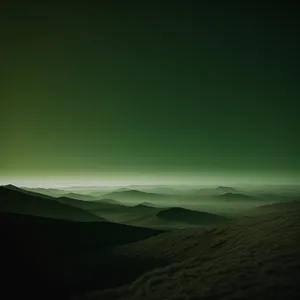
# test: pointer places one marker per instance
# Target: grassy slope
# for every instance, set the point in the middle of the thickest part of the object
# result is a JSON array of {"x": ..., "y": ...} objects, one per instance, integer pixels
[{"x": 253, "y": 258}]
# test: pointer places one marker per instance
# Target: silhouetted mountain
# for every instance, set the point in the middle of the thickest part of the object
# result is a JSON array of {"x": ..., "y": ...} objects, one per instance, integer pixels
[
  {"x": 16, "y": 200},
  {"x": 178, "y": 214}
]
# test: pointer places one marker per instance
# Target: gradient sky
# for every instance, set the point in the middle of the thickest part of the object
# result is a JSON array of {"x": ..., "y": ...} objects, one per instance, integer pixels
[{"x": 148, "y": 88}]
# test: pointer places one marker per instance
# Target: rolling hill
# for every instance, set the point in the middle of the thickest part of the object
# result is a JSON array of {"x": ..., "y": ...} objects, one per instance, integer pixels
[
  {"x": 235, "y": 197},
  {"x": 90, "y": 206},
  {"x": 16, "y": 200},
  {"x": 244, "y": 259},
  {"x": 138, "y": 215},
  {"x": 81, "y": 197},
  {"x": 44, "y": 191},
  {"x": 135, "y": 196},
  {"x": 145, "y": 203},
  {"x": 215, "y": 191},
  {"x": 256, "y": 257},
  {"x": 109, "y": 201}
]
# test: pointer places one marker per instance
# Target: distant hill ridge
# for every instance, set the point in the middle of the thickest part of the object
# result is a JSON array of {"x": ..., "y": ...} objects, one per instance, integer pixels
[
  {"x": 226, "y": 189},
  {"x": 237, "y": 196},
  {"x": 134, "y": 195},
  {"x": 80, "y": 196},
  {"x": 16, "y": 200},
  {"x": 216, "y": 191}
]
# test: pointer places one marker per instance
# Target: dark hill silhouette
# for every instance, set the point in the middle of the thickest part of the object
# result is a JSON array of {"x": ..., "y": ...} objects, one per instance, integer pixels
[
  {"x": 16, "y": 200},
  {"x": 58, "y": 257},
  {"x": 178, "y": 214}
]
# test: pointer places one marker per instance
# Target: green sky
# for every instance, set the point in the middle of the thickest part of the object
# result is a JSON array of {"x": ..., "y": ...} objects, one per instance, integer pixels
[{"x": 148, "y": 89}]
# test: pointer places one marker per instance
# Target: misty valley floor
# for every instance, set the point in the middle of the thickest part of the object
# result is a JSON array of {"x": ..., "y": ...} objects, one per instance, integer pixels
[{"x": 46, "y": 257}]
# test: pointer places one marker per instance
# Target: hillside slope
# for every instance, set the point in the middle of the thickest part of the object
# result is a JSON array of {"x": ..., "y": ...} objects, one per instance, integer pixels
[
  {"x": 53, "y": 259},
  {"x": 15, "y": 200},
  {"x": 253, "y": 258}
]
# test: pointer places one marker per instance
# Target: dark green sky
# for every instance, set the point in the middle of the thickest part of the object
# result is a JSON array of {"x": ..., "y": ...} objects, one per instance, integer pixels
[{"x": 129, "y": 87}]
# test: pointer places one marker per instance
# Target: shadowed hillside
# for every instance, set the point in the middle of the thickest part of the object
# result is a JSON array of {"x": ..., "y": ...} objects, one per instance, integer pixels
[
  {"x": 15, "y": 200},
  {"x": 253, "y": 258},
  {"x": 178, "y": 214},
  {"x": 58, "y": 258}
]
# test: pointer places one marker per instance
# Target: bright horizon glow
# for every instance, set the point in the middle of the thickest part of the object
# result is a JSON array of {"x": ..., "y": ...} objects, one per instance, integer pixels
[{"x": 144, "y": 179}]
